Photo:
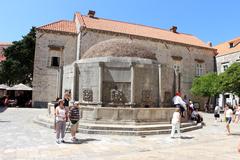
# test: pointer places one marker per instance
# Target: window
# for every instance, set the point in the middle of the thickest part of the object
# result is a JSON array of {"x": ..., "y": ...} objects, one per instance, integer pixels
[
  {"x": 199, "y": 69},
  {"x": 55, "y": 61},
  {"x": 225, "y": 67},
  {"x": 176, "y": 67},
  {"x": 231, "y": 45}
]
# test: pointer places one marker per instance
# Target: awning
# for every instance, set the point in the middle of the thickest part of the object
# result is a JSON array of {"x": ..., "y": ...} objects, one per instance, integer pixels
[
  {"x": 3, "y": 86},
  {"x": 19, "y": 87}
]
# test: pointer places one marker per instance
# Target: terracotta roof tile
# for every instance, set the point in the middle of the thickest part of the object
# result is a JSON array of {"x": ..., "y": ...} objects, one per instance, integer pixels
[
  {"x": 224, "y": 48},
  {"x": 125, "y": 28},
  {"x": 62, "y": 26},
  {"x": 141, "y": 30}
]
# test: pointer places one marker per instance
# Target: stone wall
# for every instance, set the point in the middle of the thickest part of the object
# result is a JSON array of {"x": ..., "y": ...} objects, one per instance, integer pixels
[
  {"x": 166, "y": 53},
  {"x": 89, "y": 82},
  {"x": 227, "y": 59},
  {"x": 68, "y": 79},
  {"x": 126, "y": 116},
  {"x": 146, "y": 85},
  {"x": 47, "y": 79}
]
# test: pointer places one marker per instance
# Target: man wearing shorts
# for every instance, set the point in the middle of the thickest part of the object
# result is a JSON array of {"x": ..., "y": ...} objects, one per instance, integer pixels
[
  {"x": 74, "y": 118},
  {"x": 228, "y": 115}
]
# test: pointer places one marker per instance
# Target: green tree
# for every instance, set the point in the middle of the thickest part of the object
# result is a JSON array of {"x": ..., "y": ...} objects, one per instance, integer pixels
[
  {"x": 18, "y": 67},
  {"x": 206, "y": 86},
  {"x": 230, "y": 79}
]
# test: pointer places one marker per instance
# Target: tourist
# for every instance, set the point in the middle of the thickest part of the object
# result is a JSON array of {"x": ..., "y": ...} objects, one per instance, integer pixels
[
  {"x": 179, "y": 103},
  {"x": 195, "y": 116},
  {"x": 191, "y": 106},
  {"x": 74, "y": 118},
  {"x": 67, "y": 98},
  {"x": 176, "y": 123},
  {"x": 55, "y": 106},
  {"x": 228, "y": 113},
  {"x": 61, "y": 118},
  {"x": 237, "y": 114},
  {"x": 216, "y": 113},
  {"x": 206, "y": 107}
]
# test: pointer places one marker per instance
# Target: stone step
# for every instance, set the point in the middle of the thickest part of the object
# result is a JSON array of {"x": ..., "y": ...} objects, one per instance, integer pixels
[
  {"x": 128, "y": 130},
  {"x": 132, "y": 127},
  {"x": 93, "y": 126},
  {"x": 137, "y": 133}
]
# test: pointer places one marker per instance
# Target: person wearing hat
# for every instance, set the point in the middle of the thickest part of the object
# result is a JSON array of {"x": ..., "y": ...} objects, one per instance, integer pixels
[
  {"x": 61, "y": 118},
  {"x": 74, "y": 117},
  {"x": 179, "y": 103}
]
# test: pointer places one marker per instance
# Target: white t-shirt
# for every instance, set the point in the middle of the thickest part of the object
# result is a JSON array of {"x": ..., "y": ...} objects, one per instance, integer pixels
[
  {"x": 176, "y": 118},
  {"x": 178, "y": 100},
  {"x": 217, "y": 110},
  {"x": 61, "y": 116},
  {"x": 238, "y": 111},
  {"x": 229, "y": 113}
]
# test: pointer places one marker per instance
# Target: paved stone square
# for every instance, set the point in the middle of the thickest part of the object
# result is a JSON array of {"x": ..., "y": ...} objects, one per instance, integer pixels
[{"x": 25, "y": 140}]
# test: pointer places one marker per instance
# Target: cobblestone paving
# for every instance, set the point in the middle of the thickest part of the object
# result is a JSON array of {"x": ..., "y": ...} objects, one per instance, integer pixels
[{"x": 25, "y": 140}]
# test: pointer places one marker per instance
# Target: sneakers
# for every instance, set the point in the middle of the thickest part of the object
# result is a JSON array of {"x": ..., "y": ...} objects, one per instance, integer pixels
[
  {"x": 58, "y": 141},
  {"x": 74, "y": 139}
]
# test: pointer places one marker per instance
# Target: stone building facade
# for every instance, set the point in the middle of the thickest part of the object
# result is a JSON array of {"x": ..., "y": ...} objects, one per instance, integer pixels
[
  {"x": 228, "y": 53},
  {"x": 65, "y": 48}
]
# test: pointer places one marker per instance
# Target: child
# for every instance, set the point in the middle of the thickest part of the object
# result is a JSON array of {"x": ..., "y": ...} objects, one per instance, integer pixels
[{"x": 176, "y": 123}]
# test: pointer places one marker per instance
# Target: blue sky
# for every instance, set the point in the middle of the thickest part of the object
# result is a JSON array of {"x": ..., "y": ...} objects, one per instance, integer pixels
[{"x": 210, "y": 20}]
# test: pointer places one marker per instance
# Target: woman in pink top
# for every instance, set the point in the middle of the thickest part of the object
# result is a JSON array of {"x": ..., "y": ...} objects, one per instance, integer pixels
[{"x": 61, "y": 117}]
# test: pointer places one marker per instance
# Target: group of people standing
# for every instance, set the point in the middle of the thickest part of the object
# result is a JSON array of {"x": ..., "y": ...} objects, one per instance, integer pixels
[
  {"x": 184, "y": 109},
  {"x": 64, "y": 112}
]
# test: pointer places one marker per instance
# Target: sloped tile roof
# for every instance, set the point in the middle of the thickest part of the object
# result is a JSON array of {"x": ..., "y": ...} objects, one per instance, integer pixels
[
  {"x": 141, "y": 30},
  {"x": 124, "y": 28},
  {"x": 224, "y": 48},
  {"x": 61, "y": 26}
]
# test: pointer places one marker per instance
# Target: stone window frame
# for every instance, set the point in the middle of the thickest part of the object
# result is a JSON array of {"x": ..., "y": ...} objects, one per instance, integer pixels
[
  {"x": 199, "y": 69},
  {"x": 177, "y": 64},
  {"x": 55, "y": 48},
  {"x": 224, "y": 66}
]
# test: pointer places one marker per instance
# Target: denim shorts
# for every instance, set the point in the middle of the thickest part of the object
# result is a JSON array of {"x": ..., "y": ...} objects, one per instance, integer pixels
[{"x": 228, "y": 120}]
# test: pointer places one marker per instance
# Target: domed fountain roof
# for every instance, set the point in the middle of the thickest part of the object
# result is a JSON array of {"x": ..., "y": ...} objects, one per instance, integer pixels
[{"x": 119, "y": 48}]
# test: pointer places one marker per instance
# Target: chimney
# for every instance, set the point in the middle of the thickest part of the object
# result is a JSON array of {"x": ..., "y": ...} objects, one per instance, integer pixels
[
  {"x": 209, "y": 44},
  {"x": 91, "y": 13},
  {"x": 173, "y": 29}
]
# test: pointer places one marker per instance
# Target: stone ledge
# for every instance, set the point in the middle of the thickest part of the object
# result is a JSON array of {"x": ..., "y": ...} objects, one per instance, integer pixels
[{"x": 128, "y": 130}]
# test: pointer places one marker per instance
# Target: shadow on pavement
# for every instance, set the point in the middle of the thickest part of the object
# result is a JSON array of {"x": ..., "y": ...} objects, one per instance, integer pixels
[
  {"x": 186, "y": 137},
  {"x": 4, "y": 121},
  {"x": 81, "y": 141},
  {"x": 2, "y": 109},
  {"x": 235, "y": 134}
]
